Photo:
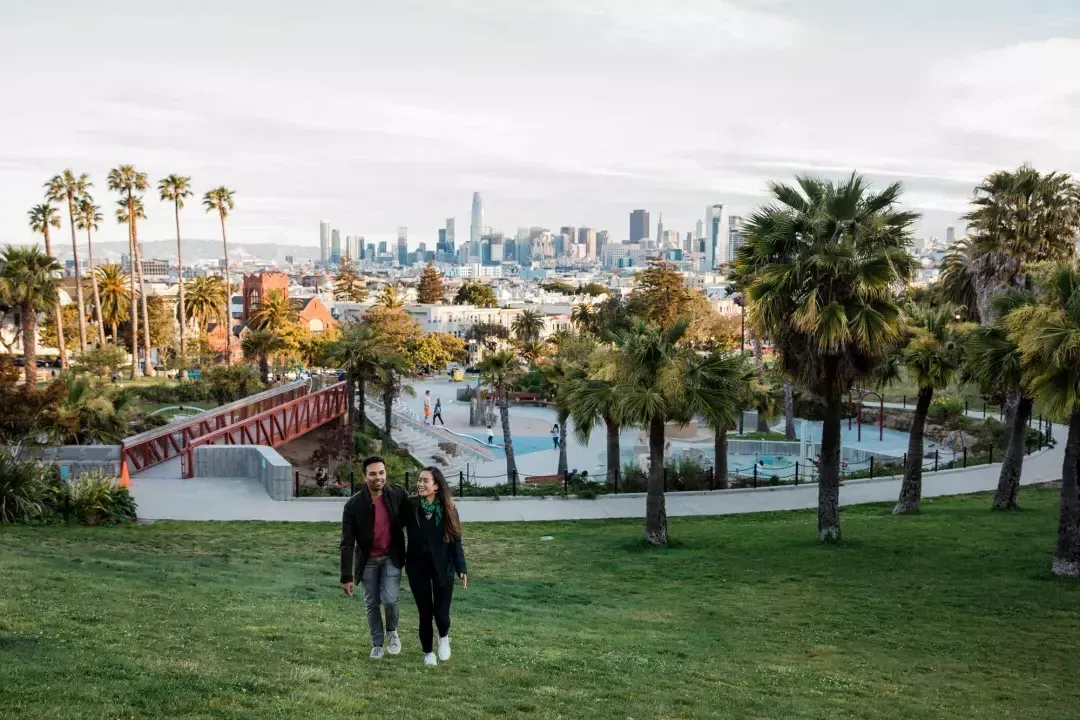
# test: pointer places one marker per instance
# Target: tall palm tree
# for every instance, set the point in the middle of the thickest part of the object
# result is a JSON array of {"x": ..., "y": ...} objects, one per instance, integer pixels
[
  {"x": 501, "y": 371},
  {"x": 221, "y": 201},
  {"x": 390, "y": 298},
  {"x": 43, "y": 217},
  {"x": 70, "y": 188},
  {"x": 127, "y": 181},
  {"x": 206, "y": 298},
  {"x": 89, "y": 218},
  {"x": 1048, "y": 337},
  {"x": 528, "y": 325},
  {"x": 584, "y": 317},
  {"x": 592, "y": 400},
  {"x": 115, "y": 297},
  {"x": 174, "y": 189},
  {"x": 932, "y": 357},
  {"x": 274, "y": 311},
  {"x": 28, "y": 281},
  {"x": 820, "y": 268},
  {"x": 260, "y": 345},
  {"x": 717, "y": 386},
  {"x": 357, "y": 352},
  {"x": 647, "y": 371},
  {"x": 389, "y": 381},
  {"x": 558, "y": 375}
]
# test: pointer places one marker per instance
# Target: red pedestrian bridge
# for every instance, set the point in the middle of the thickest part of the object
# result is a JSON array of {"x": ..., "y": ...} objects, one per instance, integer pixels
[{"x": 270, "y": 418}]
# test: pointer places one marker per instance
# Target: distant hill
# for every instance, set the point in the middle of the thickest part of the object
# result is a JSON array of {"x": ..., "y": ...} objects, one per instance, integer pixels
[{"x": 199, "y": 251}]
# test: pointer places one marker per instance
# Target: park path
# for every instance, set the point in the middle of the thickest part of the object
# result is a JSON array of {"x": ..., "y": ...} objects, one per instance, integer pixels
[{"x": 245, "y": 499}]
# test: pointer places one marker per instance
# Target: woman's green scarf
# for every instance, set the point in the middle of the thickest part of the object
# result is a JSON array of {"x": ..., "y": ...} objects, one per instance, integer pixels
[{"x": 430, "y": 508}]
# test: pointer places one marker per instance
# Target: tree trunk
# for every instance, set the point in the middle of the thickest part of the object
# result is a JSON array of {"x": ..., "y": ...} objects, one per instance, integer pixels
[
  {"x": 1067, "y": 556},
  {"x": 180, "y": 265},
  {"x": 134, "y": 295},
  {"x": 789, "y": 411},
  {"x": 388, "y": 416},
  {"x": 508, "y": 441},
  {"x": 1013, "y": 462},
  {"x": 350, "y": 392},
  {"x": 361, "y": 411},
  {"x": 911, "y": 489},
  {"x": 563, "y": 468},
  {"x": 720, "y": 478},
  {"x": 228, "y": 294},
  {"x": 613, "y": 461},
  {"x": 762, "y": 423},
  {"x": 115, "y": 335},
  {"x": 78, "y": 275},
  {"x": 60, "y": 344},
  {"x": 29, "y": 331},
  {"x": 264, "y": 368},
  {"x": 829, "y": 469},
  {"x": 97, "y": 295},
  {"x": 148, "y": 370},
  {"x": 656, "y": 527}
]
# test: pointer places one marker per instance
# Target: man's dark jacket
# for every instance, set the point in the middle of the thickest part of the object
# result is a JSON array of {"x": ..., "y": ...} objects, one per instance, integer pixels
[{"x": 358, "y": 530}]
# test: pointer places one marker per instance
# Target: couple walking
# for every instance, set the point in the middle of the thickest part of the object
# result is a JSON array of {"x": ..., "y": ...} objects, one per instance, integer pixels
[{"x": 373, "y": 550}]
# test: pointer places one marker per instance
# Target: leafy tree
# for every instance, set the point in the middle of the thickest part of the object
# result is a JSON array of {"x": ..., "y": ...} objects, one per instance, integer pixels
[
  {"x": 127, "y": 181},
  {"x": 162, "y": 323},
  {"x": 475, "y": 293},
  {"x": 115, "y": 297},
  {"x": 42, "y": 218},
  {"x": 348, "y": 286},
  {"x": 528, "y": 325},
  {"x": 175, "y": 189},
  {"x": 70, "y": 188},
  {"x": 228, "y": 383},
  {"x": 28, "y": 281},
  {"x": 430, "y": 290},
  {"x": 592, "y": 289},
  {"x": 47, "y": 330},
  {"x": 222, "y": 201},
  {"x": 500, "y": 371},
  {"x": 556, "y": 286},
  {"x": 29, "y": 411},
  {"x": 661, "y": 295},
  {"x": 101, "y": 361},
  {"x": 434, "y": 351},
  {"x": 260, "y": 345},
  {"x": 488, "y": 334},
  {"x": 819, "y": 269},
  {"x": 395, "y": 325}
]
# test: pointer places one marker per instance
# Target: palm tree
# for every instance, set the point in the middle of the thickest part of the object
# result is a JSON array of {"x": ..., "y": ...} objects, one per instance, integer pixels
[
  {"x": 390, "y": 298},
  {"x": 260, "y": 345},
  {"x": 932, "y": 358},
  {"x": 112, "y": 283},
  {"x": 206, "y": 297},
  {"x": 67, "y": 186},
  {"x": 388, "y": 380},
  {"x": 1048, "y": 337},
  {"x": 584, "y": 317},
  {"x": 591, "y": 400},
  {"x": 174, "y": 189},
  {"x": 819, "y": 270},
  {"x": 89, "y": 219},
  {"x": 717, "y": 386},
  {"x": 528, "y": 325},
  {"x": 789, "y": 410},
  {"x": 532, "y": 350},
  {"x": 28, "y": 281},
  {"x": 220, "y": 200},
  {"x": 43, "y": 217},
  {"x": 127, "y": 181},
  {"x": 357, "y": 352},
  {"x": 647, "y": 371},
  {"x": 92, "y": 413},
  {"x": 558, "y": 375},
  {"x": 500, "y": 371},
  {"x": 274, "y": 311}
]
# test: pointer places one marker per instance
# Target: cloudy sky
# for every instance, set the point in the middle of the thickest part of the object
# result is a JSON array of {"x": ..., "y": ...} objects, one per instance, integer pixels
[{"x": 374, "y": 115}]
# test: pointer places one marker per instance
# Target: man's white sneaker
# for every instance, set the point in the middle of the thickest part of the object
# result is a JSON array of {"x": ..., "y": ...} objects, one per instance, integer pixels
[
  {"x": 429, "y": 659},
  {"x": 376, "y": 653},
  {"x": 444, "y": 648},
  {"x": 393, "y": 642}
]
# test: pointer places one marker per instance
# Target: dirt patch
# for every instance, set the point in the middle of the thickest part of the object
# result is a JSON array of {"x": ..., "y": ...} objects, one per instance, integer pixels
[{"x": 298, "y": 451}]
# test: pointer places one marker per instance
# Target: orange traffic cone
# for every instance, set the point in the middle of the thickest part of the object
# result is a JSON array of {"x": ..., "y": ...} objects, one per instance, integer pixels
[{"x": 125, "y": 477}]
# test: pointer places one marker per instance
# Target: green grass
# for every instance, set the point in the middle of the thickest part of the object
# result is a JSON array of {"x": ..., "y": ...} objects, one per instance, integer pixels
[
  {"x": 771, "y": 435},
  {"x": 950, "y": 614}
]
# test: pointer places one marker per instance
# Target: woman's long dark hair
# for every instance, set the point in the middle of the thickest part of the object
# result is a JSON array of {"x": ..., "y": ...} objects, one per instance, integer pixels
[{"x": 451, "y": 522}]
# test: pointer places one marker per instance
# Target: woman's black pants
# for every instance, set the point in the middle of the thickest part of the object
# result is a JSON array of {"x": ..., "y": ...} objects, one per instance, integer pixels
[{"x": 432, "y": 601}]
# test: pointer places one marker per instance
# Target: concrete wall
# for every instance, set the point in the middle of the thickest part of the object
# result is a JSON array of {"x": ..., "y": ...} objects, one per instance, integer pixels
[
  {"x": 74, "y": 460},
  {"x": 259, "y": 462}
]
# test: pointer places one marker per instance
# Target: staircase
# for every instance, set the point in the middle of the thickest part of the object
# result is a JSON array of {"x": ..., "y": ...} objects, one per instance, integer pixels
[{"x": 423, "y": 440}]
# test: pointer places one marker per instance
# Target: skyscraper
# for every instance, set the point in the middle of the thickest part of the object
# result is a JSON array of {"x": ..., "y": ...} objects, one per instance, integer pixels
[
  {"x": 603, "y": 239},
  {"x": 639, "y": 225},
  {"x": 736, "y": 236},
  {"x": 335, "y": 245},
  {"x": 403, "y": 245},
  {"x": 476, "y": 225},
  {"x": 324, "y": 241},
  {"x": 587, "y": 237},
  {"x": 450, "y": 234},
  {"x": 659, "y": 231},
  {"x": 356, "y": 250},
  {"x": 950, "y": 235},
  {"x": 715, "y": 243}
]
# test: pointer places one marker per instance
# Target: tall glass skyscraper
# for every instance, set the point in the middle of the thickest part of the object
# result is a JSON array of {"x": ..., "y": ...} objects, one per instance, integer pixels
[
  {"x": 476, "y": 226},
  {"x": 324, "y": 241}
]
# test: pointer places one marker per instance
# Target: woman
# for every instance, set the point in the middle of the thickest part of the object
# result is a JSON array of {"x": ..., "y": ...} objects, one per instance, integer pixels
[
  {"x": 438, "y": 412},
  {"x": 555, "y": 435},
  {"x": 433, "y": 557}
]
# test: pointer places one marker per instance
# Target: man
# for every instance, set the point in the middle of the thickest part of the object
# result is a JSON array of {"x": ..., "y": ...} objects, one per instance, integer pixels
[
  {"x": 371, "y": 525},
  {"x": 427, "y": 406}
]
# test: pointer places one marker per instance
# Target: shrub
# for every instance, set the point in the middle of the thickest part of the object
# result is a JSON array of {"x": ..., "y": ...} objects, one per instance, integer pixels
[
  {"x": 178, "y": 394},
  {"x": 946, "y": 406},
  {"x": 23, "y": 489},
  {"x": 93, "y": 498},
  {"x": 101, "y": 361}
]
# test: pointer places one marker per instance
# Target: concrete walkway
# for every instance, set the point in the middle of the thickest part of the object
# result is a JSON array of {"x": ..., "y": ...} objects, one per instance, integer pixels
[{"x": 242, "y": 499}]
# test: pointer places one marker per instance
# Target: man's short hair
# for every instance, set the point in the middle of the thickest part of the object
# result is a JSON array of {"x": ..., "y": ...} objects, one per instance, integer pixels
[{"x": 371, "y": 460}]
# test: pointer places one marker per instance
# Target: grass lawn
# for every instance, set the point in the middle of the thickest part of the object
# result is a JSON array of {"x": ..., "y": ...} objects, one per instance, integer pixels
[{"x": 951, "y": 614}]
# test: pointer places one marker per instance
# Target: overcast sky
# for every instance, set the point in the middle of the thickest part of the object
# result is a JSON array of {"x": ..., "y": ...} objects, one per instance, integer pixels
[{"x": 375, "y": 115}]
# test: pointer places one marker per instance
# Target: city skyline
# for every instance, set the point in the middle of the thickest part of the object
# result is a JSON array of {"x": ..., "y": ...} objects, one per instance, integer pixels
[{"x": 973, "y": 87}]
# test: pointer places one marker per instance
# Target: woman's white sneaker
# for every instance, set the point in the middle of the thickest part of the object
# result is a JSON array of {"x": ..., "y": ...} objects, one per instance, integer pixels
[
  {"x": 429, "y": 659},
  {"x": 444, "y": 648},
  {"x": 393, "y": 642}
]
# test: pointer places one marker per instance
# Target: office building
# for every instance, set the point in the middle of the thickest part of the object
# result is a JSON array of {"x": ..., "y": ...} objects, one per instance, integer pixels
[
  {"x": 714, "y": 241},
  {"x": 476, "y": 225},
  {"x": 659, "y": 231},
  {"x": 450, "y": 240},
  {"x": 382, "y": 247},
  {"x": 603, "y": 238},
  {"x": 369, "y": 255},
  {"x": 403, "y": 246},
  {"x": 639, "y": 226},
  {"x": 736, "y": 236},
  {"x": 950, "y": 236},
  {"x": 699, "y": 229},
  {"x": 358, "y": 247},
  {"x": 324, "y": 241},
  {"x": 335, "y": 246},
  {"x": 587, "y": 237},
  {"x": 569, "y": 233}
]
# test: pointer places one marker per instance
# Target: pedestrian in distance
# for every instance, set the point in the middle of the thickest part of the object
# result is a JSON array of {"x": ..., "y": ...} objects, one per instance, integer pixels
[
  {"x": 555, "y": 435},
  {"x": 438, "y": 412},
  {"x": 427, "y": 407}
]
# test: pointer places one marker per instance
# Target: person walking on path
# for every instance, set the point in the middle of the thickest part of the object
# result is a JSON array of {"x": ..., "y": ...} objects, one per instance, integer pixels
[
  {"x": 372, "y": 536},
  {"x": 438, "y": 412},
  {"x": 427, "y": 407},
  {"x": 434, "y": 557}
]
